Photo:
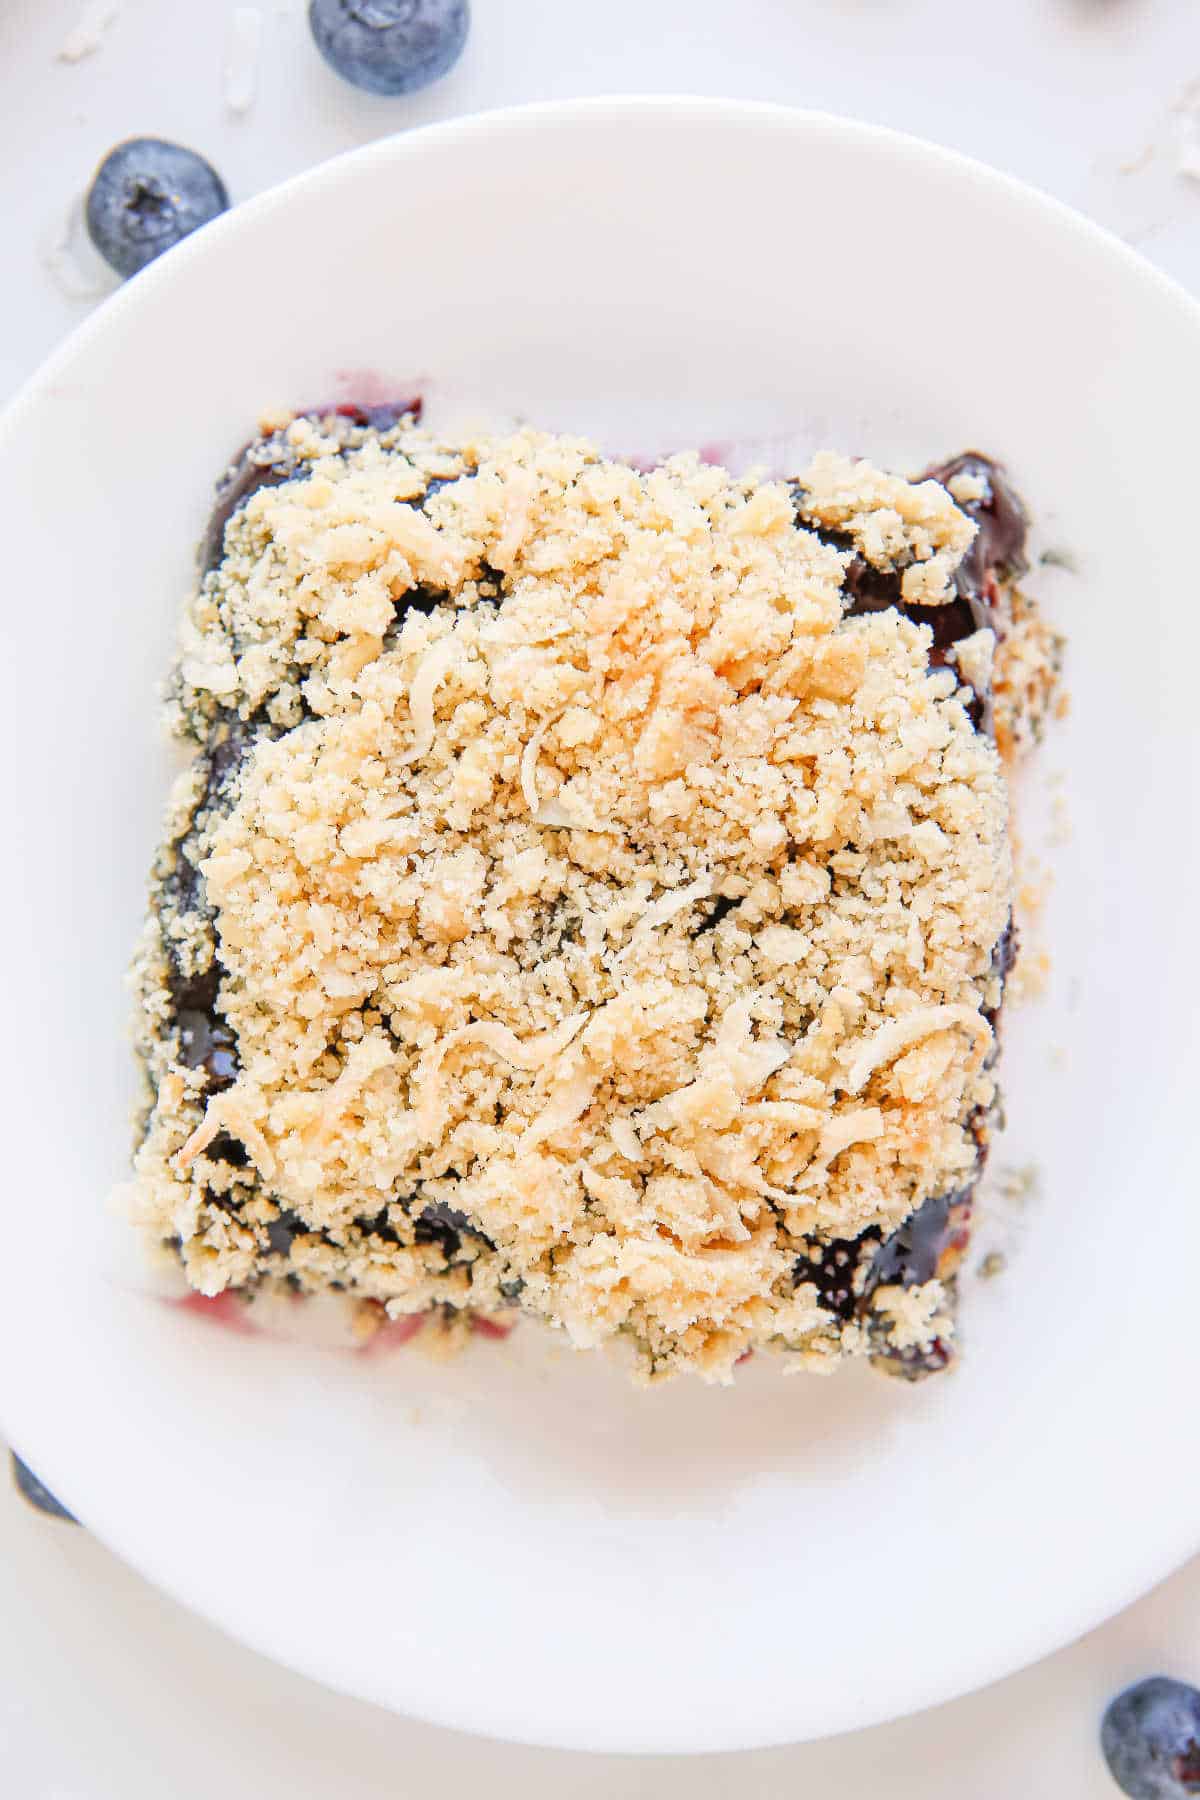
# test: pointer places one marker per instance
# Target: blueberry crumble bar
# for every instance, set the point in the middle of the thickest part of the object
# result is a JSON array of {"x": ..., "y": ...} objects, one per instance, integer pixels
[{"x": 590, "y": 894}]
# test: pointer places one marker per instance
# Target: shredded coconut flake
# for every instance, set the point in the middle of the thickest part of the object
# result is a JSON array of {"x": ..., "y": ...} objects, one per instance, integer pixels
[
  {"x": 898, "y": 1034},
  {"x": 567, "y": 1102},
  {"x": 242, "y": 57},
  {"x": 87, "y": 36},
  {"x": 667, "y": 906},
  {"x": 849, "y": 1128},
  {"x": 529, "y": 762},
  {"x": 551, "y": 813},
  {"x": 433, "y": 669},
  {"x": 200, "y": 1139},
  {"x": 626, "y": 1139},
  {"x": 529, "y": 1055}
]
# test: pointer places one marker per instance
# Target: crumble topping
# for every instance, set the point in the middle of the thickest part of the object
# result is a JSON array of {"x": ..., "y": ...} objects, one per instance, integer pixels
[
  {"x": 915, "y": 1315},
  {"x": 1028, "y": 670},
  {"x": 582, "y": 883},
  {"x": 914, "y": 527}
]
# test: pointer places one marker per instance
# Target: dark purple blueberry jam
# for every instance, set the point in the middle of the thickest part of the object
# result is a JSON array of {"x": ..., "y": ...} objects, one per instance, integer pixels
[
  {"x": 831, "y": 1268},
  {"x": 917, "y": 1362},
  {"x": 912, "y": 1255},
  {"x": 206, "y": 1042},
  {"x": 998, "y": 551},
  {"x": 268, "y": 462},
  {"x": 259, "y": 465},
  {"x": 999, "y": 546}
]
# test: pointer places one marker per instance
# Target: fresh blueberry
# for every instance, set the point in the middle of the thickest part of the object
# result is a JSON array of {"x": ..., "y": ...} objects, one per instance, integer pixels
[
  {"x": 390, "y": 46},
  {"x": 145, "y": 196},
  {"x": 31, "y": 1489},
  {"x": 1151, "y": 1740}
]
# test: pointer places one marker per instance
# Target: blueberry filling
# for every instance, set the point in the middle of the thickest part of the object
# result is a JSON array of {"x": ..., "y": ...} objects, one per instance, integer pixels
[
  {"x": 269, "y": 462},
  {"x": 442, "y": 1224},
  {"x": 204, "y": 1039},
  {"x": 914, "y": 1254},
  {"x": 206, "y": 1042},
  {"x": 437, "y": 1224},
  {"x": 847, "y": 1271},
  {"x": 440, "y": 1216},
  {"x": 832, "y": 1269},
  {"x": 433, "y": 1231},
  {"x": 379, "y": 1227},
  {"x": 437, "y": 483},
  {"x": 195, "y": 993},
  {"x": 183, "y": 888},
  {"x": 999, "y": 545},
  {"x": 283, "y": 1231},
  {"x": 915, "y": 1362},
  {"x": 719, "y": 908},
  {"x": 419, "y": 599},
  {"x": 1004, "y": 957},
  {"x": 258, "y": 466},
  {"x": 227, "y": 1149},
  {"x": 996, "y": 552},
  {"x": 877, "y": 590}
]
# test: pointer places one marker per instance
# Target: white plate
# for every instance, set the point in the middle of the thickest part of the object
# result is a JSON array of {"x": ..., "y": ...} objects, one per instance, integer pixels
[{"x": 517, "y": 1543}]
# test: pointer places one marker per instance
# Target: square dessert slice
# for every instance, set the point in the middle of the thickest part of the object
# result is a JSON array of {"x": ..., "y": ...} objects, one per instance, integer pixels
[{"x": 590, "y": 896}]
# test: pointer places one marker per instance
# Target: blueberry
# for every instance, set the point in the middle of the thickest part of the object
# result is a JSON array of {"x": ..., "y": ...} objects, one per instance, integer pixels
[
  {"x": 145, "y": 196},
  {"x": 390, "y": 46},
  {"x": 31, "y": 1489},
  {"x": 1151, "y": 1740}
]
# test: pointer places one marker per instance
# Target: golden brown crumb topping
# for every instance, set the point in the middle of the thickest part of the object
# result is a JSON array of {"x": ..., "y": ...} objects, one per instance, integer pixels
[{"x": 643, "y": 915}]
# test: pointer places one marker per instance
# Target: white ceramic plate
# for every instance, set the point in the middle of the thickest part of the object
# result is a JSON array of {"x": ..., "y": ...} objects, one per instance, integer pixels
[{"x": 517, "y": 1543}]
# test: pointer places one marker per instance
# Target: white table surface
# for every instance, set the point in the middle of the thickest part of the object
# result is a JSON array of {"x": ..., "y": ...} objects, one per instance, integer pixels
[{"x": 108, "y": 1691}]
